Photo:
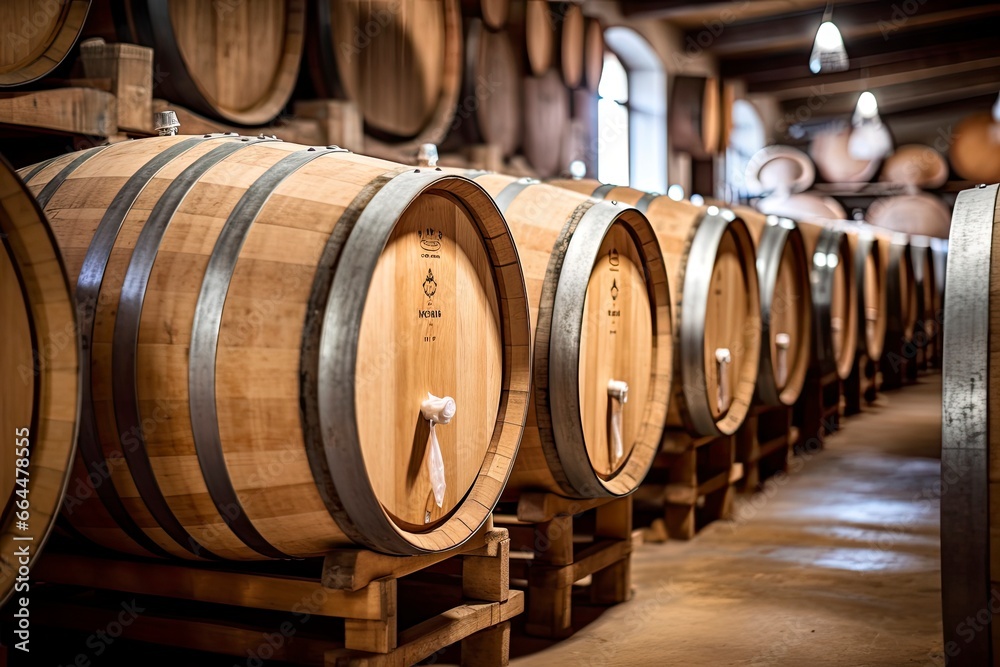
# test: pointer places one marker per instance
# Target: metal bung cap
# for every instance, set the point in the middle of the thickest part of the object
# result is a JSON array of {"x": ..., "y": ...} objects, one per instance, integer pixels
[
  {"x": 165, "y": 123},
  {"x": 427, "y": 155}
]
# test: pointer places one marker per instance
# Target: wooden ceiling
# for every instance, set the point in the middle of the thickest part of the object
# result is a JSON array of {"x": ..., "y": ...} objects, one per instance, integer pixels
[{"x": 912, "y": 54}]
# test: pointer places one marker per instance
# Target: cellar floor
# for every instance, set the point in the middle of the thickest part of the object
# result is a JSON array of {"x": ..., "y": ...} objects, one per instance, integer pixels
[{"x": 837, "y": 565}]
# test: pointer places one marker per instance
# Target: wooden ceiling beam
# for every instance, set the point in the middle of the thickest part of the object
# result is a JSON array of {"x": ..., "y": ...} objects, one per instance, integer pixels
[{"x": 856, "y": 22}]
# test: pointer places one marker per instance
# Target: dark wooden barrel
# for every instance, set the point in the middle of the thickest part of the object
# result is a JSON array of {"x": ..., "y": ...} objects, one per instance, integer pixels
[
  {"x": 232, "y": 60},
  {"x": 593, "y": 57},
  {"x": 491, "y": 111},
  {"x": 262, "y": 324},
  {"x": 834, "y": 297},
  {"x": 39, "y": 378},
  {"x": 711, "y": 266},
  {"x": 400, "y": 61},
  {"x": 494, "y": 13},
  {"x": 572, "y": 45},
  {"x": 901, "y": 310},
  {"x": 926, "y": 335},
  {"x": 695, "y": 121},
  {"x": 37, "y": 36},
  {"x": 970, "y": 452},
  {"x": 785, "y": 306},
  {"x": 546, "y": 119},
  {"x": 600, "y": 314}
]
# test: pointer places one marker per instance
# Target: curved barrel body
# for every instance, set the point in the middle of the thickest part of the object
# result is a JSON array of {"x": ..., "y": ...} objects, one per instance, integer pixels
[
  {"x": 37, "y": 37},
  {"x": 262, "y": 324},
  {"x": 600, "y": 311}
]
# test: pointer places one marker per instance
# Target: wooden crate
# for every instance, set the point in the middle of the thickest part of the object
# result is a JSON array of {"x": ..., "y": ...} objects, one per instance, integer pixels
[
  {"x": 691, "y": 484},
  {"x": 557, "y": 542},
  {"x": 763, "y": 445},
  {"x": 343, "y": 610}
]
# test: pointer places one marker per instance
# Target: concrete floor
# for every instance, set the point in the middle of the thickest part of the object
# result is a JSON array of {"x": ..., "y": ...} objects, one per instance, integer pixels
[{"x": 836, "y": 565}]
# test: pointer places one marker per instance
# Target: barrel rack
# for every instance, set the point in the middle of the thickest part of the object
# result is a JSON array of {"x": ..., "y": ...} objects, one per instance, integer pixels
[
  {"x": 361, "y": 588},
  {"x": 114, "y": 101},
  {"x": 817, "y": 413},
  {"x": 692, "y": 484},
  {"x": 763, "y": 444},
  {"x": 557, "y": 542}
]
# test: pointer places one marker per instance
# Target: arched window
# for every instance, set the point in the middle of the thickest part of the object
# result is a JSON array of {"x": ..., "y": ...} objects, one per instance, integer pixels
[
  {"x": 612, "y": 119},
  {"x": 632, "y": 114}
]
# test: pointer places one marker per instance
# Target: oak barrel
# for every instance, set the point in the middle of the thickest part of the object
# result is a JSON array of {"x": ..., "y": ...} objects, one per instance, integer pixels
[
  {"x": 572, "y": 45},
  {"x": 232, "y": 60},
  {"x": 400, "y": 61},
  {"x": 37, "y": 37},
  {"x": 593, "y": 56},
  {"x": 494, "y": 13},
  {"x": 834, "y": 296},
  {"x": 262, "y": 323},
  {"x": 715, "y": 300},
  {"x": 928, "y": 305},
  {"x": 695, "y": 120},
  {"x": 600, "y": 313},
  {"x": 786, "y": 306},
  {"x": 490, "y": 112},
  {"x": 39, "y": 379},
  {"x": 901, "y": 309},
  {"x": 970, "y": 514},
  {"x": 546, "y": 119}
]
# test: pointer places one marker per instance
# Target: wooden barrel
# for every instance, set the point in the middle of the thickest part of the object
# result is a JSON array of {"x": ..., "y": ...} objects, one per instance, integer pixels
[
  {"x": 970, "y": 451},
  {"x": 262, "y": 325},
  {"x": 928, "y": 306},
  {"x": 593, "y": 56},
  {"x": 834, "y": 297},
  {"x": 695, "y": 121},
  {"x": 400, "y": 61},
  {"x": 600, "y": 313},
  {"x": 39, "y": 378},
  {"x": 535, "y": 21},
  {"x": 939, "y": 253},
  {"x": 37, "y": 37},
  {"x": 901, "y": 308},
  {"x": 491, "y": 109},
  {"x": 572, "y": 41},
  {"x": 785, "y": 306},
  {"x": 715, "y": 301},
  {"x": 236, "y": 61},
  {"x": 973, "y": 151},
  {"x": 494, "y": 13},
  {"x": 546, "y": 118},
  {"x": 866, "y": 243}
]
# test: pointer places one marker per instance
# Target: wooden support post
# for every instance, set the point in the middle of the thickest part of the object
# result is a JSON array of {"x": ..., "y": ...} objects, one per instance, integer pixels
[
  {"x": 339, "y": 120},
  {"x": 487, "y": 648},
  {"x": 613, "y": 584}
]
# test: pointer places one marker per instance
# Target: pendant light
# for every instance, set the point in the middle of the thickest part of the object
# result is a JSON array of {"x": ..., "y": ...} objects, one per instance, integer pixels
[{"x": 828, "y": 52}]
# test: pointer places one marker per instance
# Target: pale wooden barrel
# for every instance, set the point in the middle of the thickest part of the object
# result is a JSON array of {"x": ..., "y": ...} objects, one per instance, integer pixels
[
  {"x": 37, "y": 37},
  {"x": 400, "y": 61},
  {"x": 786, "y": 306},
  {"x": 233, "y": 60},
  {"x": 834, "y": 295},
  {"x": 261, "y": 324},
  {"x": 600, "y": 313},
  {"x": 490, "y": 112},
  {"x": 715, "y": 301},
  {"x": 970, "y": 515},
  {"x": 39, "y": 378}
]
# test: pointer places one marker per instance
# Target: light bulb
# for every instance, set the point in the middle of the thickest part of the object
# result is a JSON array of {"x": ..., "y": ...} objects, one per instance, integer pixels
[
  {"x": 867, "y": 105},
  {"x": 828, "y": 36}
]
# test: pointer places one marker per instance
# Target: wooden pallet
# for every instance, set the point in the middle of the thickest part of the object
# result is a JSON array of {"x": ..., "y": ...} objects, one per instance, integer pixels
[
  {"x": 557, "y": 542},
  {"x": 818, "y": 410},
  {"x": 691, "y": 484},
  {"x": 763, "y": 445},
  {"x": 342, "y": 611}
]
